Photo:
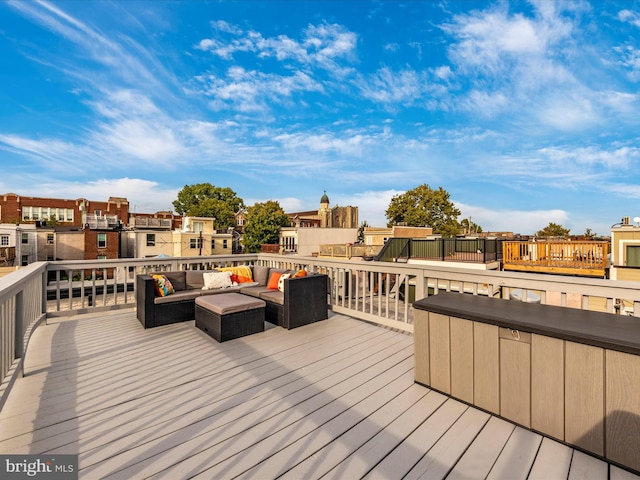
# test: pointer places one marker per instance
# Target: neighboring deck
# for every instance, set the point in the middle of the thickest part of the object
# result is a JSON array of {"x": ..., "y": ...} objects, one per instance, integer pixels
[{"x": 335, "y": 399}]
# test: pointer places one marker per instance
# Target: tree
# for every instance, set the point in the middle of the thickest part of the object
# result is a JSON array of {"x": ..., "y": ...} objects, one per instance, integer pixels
[
  {"x": 205, "y": 200},
  {"x": 470, "y": 227},
  {"x": 425, "y": 207},
  {"x": 363, "y": 225},
  {"x": 553, "y": 230},
  {"x": 262, "y": 225}
]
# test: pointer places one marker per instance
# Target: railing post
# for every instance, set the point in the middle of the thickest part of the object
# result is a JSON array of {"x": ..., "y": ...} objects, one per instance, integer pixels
[{"x": 19, "y": 325}]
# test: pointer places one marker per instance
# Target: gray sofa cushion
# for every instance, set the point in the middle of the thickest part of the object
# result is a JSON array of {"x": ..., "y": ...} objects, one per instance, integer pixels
[
  {"x": 254, "y": 291},
  {"x": 193, "y": 293},
  {"x": 179, "y": 296},
  {"x": 273, "y": 296},
  {"x": 195, "y": 279},
  {"x": 260, "y": 274},
  {"x": 177, "y": 279}
]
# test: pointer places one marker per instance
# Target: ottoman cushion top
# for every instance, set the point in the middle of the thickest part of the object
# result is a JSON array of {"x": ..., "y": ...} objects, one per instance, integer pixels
[{"x": 224, "y": 303}]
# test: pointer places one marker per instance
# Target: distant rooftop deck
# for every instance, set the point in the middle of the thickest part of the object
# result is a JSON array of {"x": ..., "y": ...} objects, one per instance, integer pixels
[{"x": 335, "y": 399}]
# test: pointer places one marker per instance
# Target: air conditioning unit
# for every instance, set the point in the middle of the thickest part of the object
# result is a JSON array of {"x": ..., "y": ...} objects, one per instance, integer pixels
[{"x": 626, "y": 220}]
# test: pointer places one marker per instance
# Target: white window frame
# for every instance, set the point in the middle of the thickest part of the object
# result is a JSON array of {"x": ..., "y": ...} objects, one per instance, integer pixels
[{"x": 104, "y": 243}]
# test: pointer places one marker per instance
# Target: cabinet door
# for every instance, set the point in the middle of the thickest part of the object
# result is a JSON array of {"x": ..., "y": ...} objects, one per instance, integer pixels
[
  {"x": 547, "y": 385},
  {"x": 461, "y": 359},
  {"x": 584, "y": 397},
  {"x": 439, "y": 353},
  {"x": 515, "y": 376},
  {"x": 623, "y": 408},
  {"x": 486, "y": 371},
  {"x": 421, "y": 346}
]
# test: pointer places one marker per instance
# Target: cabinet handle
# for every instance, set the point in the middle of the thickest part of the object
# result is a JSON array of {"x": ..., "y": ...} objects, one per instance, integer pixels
[{"x": 515, "y": 334}]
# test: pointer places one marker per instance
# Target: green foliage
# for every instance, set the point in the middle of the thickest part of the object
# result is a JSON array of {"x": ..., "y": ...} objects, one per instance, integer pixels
[
  {"x": 553, "y": 230},
  {"x": 425, "y": 207},
  {"x": 470, "y": 227},
  {"x": 361, "y": 228},
  {"x": 205, "y": 200},
  {"x": 262, "y": 225}
]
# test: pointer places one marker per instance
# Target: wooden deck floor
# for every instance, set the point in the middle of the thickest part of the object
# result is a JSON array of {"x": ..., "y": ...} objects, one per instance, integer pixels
[{"x": 334, "y": 399}]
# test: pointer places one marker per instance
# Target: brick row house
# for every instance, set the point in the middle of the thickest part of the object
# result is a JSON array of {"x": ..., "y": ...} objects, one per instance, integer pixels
[
  {"x": 42, "y": 229},
  {"x": 46, "y": 229}
]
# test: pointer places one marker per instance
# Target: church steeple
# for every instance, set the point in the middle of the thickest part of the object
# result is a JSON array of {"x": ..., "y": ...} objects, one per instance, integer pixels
[{"x": 325, "y": 211}]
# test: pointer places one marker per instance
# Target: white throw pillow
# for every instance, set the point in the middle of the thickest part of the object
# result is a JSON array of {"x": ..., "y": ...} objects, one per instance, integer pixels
[
  {"x": 213, "y": 280},
  {"x": 281, "y": 281}
]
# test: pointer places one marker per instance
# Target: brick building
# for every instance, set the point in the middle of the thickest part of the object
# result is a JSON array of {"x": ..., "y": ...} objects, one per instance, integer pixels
[{"x": 20, "y": 209}]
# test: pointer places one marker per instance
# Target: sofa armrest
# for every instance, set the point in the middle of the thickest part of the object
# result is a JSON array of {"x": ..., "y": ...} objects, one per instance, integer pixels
[
  {"x": 305, "y": 300},
  {"x": 145, "y": 293}
]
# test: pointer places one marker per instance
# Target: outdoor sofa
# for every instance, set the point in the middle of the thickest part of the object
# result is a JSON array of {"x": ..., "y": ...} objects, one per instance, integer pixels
[{"x": 303, "y": 299}]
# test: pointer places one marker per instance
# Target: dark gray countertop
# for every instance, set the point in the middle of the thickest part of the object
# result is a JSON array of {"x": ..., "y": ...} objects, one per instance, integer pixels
[{"x": 605, "y": 330}]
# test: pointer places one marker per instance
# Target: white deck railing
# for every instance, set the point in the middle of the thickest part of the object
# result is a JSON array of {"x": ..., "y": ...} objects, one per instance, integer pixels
[
  {"x": 378, "y": 292},
  {"x": 22, "y": 308}
]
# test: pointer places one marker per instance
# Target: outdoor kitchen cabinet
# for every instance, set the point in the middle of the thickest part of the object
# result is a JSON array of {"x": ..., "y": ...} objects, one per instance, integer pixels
[{"x": 569, "y": 374}]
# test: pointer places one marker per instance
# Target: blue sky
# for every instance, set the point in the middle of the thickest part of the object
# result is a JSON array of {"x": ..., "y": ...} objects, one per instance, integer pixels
[{"x": 525, "y": 112}]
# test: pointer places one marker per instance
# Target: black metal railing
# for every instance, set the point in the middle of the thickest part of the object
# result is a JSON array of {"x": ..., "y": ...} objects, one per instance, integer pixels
[{"x": 472, "y": 250}]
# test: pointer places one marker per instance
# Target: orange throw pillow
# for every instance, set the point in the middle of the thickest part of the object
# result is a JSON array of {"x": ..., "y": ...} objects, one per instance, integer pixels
[
  {"x": 272, "y": 284},
  {"x": 300, "y": 273}
]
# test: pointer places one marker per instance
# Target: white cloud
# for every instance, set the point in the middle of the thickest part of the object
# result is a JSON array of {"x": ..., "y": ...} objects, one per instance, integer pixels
[
  {"x": 629, "y": 16},
  {"x": 613, "y": 160},
  {"x": 322, "y": 45},
  {"x": 249, "y": 90},
  {"x": 630, "y": 59},
  {"x": 48, "y": 153},
  {"x": 125, "y": 60},
  {"x": 393, "y": 87},
  {"x": 516, "y": 221},
  {"x": 371, "y": 204},
  {"x": 348, "y": 145}
]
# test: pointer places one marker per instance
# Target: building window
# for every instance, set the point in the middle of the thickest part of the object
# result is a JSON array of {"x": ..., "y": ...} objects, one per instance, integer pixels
[
  {"x": 198, "y": 227},
  {"x": 49, "y": 258},
  {"x": 47, "y": 213},
  {"x": 151, "y": 239},
  {"x": 4, "y": 240},
  {"x": 25, "y": 260},
  {"x": 25, "y": 238},
  {"x": 224, "y": 243},
  {"x": 213, "y": 244},
  {"x": 49, "y": 238},
  {"x": 195, "y": 243},
  {"x": 633, "y": 256},
  {"x": 97, "y": 213},
  {"x": 102, "y": 257},
  {"x": 102, "y": 240}
]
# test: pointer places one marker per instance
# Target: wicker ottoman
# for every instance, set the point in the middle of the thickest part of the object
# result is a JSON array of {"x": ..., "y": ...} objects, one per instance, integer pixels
[{"x": 226, "y": 316}]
